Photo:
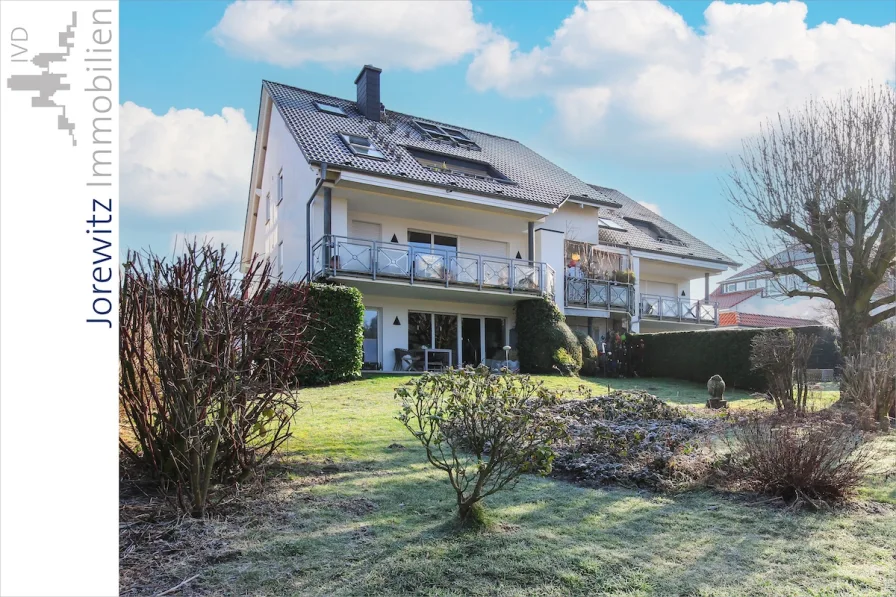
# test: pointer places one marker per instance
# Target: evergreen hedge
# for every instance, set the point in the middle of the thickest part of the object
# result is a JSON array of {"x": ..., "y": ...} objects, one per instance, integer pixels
[
  {"x": 541, "y": 331},
  {"x": 337, "y": 324},
  {"x": 698, "y": 355}
]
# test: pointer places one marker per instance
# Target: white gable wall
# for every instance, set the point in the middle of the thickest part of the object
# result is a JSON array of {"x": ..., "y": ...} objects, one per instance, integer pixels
[{"x": 286, "y": 222}]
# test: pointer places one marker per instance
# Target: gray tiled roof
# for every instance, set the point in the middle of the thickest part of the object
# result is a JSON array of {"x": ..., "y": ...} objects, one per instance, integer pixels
[
  {"x": 536, "y": 180},
  {"x": 637, "y": 239}
]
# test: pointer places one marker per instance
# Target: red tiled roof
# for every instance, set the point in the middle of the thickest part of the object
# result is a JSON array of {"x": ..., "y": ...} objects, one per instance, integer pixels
[
  {"x": 728, "y": 300},
  {"x": 756, "y": 320}
]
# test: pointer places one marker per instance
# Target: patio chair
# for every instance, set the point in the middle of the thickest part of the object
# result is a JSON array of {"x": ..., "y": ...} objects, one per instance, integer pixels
[{"x": 400, "y": 354}]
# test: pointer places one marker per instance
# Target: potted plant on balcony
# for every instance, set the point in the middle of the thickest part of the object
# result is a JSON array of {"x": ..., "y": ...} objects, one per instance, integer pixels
[{"x": 624, "y": 276}]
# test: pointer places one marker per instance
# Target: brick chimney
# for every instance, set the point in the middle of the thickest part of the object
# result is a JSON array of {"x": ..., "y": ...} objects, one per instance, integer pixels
[{"x": 368, "y": 84}]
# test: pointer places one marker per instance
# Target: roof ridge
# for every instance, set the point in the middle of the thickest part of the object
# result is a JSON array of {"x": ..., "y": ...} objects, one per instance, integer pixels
[{"x": 405, "y": 114}]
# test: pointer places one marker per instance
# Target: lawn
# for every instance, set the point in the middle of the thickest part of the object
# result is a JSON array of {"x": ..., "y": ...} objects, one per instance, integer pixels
[{"x": 355, "y": 510}]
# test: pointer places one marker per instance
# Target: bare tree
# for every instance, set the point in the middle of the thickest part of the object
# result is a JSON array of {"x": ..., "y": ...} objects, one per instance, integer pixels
[
  {"x": 783, "y": 357},
  {"x": 820, "y": 184}
]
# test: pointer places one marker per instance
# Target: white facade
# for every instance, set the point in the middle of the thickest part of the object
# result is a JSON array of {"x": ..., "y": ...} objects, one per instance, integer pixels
[{"x": 477, "y": 267}]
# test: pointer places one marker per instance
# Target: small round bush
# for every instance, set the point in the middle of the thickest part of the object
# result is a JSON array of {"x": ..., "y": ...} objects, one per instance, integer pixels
[
  {"x": 589, "y": 346},
  {"x": 565, "y": 338}
]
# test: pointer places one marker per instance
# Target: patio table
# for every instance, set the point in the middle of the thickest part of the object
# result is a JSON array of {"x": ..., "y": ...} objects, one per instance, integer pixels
[{"x": 430, "y": 351}]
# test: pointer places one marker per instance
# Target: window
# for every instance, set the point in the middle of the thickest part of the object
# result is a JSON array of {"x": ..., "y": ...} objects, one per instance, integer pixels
[
  {"x": 429, "y": 241},
  {"x": 330, "y": 109},
  {"x": 431, "y": 254},
  {"x": 280, "y": 258},
  {"x": 605, "y": 223},
  {"x": 655, "y": 232},
  {"x": 444, "y": 133},
  {"x": 371, "y": 339},
  {"x": 280, "y": 187},
  {"x": 362, "y": 146},
  {"x": 457, "y": 166},
  {"x": 730, "y": 288},
  {"x": 751, "y": 284},
  {"x": 419, "y": 330},
  {"x": 267, "y": 207}
]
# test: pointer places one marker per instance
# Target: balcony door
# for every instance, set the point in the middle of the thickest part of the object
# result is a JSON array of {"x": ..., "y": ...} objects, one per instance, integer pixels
[
  {"x": 433, "y": 254},
  {"x": 475, "y": 339}
]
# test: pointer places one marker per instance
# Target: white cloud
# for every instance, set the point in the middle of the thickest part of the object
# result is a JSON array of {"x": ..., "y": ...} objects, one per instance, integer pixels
[
  {"x": 652, "y": 207},
  {"x": 665, "y": 80},
  {"x": 414, "y": 35},
  {"x": 184, "y": 160}
]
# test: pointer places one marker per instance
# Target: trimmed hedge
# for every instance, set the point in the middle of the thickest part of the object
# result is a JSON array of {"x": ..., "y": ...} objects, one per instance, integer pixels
[
  {"x": 589, "y": 346},
  {"x": 698, "y": 355},
  {"x": 541, "y": 331},
  {"x": 337, "y": 323}
]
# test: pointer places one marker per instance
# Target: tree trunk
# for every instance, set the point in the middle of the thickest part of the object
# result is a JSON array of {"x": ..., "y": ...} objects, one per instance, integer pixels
[{"x": 853, "y": 329}]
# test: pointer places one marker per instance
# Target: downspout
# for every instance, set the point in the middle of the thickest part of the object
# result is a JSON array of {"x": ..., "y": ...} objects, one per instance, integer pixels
[{"x": 320, "y": 183}]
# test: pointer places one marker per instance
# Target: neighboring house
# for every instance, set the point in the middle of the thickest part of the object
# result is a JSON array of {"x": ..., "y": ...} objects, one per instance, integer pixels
[
  {"x": 733, "y": 319},
  {"x": 757, "y": 297},
  {"x": 444, "y": 229}
]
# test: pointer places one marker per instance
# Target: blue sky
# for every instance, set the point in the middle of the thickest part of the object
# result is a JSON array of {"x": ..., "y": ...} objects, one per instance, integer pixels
[{"x": 172, "y": 56}]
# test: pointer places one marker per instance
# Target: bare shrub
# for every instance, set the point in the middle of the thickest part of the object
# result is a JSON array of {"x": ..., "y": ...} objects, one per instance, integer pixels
[
  {"x": 483, "y": 430},
  {"x": 813, "y": 460},
  {"x": 784, "y": 359},
  {"x": 870, "y": 378},
  {"x": 205, "y": 362}
]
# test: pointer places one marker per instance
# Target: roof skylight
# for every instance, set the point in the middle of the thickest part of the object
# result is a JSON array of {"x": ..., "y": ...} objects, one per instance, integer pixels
[
  {"x": 362, "y": 146},
  {"x": 330, "y": 108},
  {"x": 442, "y": 133}
]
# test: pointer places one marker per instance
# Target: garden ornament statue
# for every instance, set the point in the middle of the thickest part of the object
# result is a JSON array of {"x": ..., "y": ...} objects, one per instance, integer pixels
[{"x": 716, "y": 388}]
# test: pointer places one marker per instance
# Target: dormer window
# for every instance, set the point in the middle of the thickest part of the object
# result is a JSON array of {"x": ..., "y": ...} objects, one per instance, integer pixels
[
  {"x": 362, "y": 146},
  {"x": 330, "y": 109},
  {"x": 457, "y": 166},
  {"x": 655, "y": 232},
  {"x": 443, "y": 133},
  {"x": 609, "y": 224}
]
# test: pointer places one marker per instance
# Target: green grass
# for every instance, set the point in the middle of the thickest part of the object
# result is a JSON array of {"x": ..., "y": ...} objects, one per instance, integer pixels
[{"x": 356, "y": 517}]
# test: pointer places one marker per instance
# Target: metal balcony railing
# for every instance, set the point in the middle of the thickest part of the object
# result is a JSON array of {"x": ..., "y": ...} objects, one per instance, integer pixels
[
  {"x": 344, "y": 256},
  {"x": 590, "y": 293},
  {"x": 670, "y": 308}
]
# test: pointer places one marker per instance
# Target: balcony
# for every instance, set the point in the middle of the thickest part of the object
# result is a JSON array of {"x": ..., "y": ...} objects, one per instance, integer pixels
[
  {"x": 591, "y": 293},
  {"x": 340, "y": 256},
  {"x": 684, "y": 310}
]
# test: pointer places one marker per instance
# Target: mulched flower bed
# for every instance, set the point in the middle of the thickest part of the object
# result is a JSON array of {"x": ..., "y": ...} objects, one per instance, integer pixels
[{"x": 633, "y": 439}]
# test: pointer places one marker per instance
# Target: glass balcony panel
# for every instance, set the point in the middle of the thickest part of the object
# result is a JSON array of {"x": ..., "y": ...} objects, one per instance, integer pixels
[
  {"x": 495, "y": 273},
  {"x": 669, "y": 307},
  {"x": 525, "y": 276},
  {"x": 353, "y": 256},
  {"x": 598, "y": 294},
  {"x": 393, "y": 261},
  {"x": 619, "y": 296},
  {"x": 429, "y": 266},
  {"x": 576, "y": 291},
  {"x": 464, "y": 269}
]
